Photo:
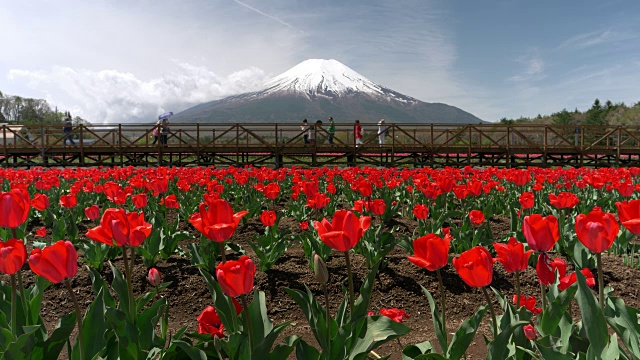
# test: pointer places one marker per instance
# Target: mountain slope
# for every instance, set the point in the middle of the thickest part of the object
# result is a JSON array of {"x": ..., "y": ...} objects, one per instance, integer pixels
[{"x": 317, "y": 89}]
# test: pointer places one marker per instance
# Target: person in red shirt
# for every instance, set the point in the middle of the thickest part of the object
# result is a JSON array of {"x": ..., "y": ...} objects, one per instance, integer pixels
[{"x": 358, "y": 133}]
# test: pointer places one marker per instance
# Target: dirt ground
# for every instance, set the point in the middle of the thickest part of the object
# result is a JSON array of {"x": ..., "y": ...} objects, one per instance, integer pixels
[{"x": 397, "y": 285}]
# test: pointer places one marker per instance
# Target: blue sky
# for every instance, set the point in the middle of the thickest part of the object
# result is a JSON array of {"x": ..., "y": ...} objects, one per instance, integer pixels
[{"x": 127, "y": 61}]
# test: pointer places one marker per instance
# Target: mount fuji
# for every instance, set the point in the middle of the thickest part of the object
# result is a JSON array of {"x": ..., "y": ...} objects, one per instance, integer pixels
[{"x": 318, "y": 88}]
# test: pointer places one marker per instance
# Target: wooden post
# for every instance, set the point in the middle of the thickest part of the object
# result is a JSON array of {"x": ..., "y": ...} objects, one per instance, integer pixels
[
  {"x": 120, "y": 144},
  {"x": 198, "y": 144},
  {"x": 4, "y": 145},
  {"x": 618, "y": 146},
  {"x": 81, "y": 146},
  {"x": 42, "y": 144}
]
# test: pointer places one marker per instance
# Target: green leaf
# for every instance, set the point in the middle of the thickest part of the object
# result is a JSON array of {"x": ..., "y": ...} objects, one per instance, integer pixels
[
  {"x": 465, "y": 334},
  {"x": 54, "y": 344},
  {"x": 377, "y": 331},
  {"x": 192, "y": 352},
  {"x": 436, "y": 318},
  {"x": 413, "y": 351},
  {"x": 98, "y": 285},
  {"x": 94, "y": 326},
  {"x": 552, "y": 314},
  {"x": 282, "y": 351},
  {"x": 592, "y": 317},
  {"x": 361, "y": 306},
  {"x": 496, "y": 349},
  {"x": 306, "y": 351},
  {"x": 623, "y": 320}
]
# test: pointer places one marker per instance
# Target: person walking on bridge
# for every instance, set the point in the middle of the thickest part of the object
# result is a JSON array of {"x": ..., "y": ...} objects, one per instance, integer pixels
[{"x": 66, "y": 129}]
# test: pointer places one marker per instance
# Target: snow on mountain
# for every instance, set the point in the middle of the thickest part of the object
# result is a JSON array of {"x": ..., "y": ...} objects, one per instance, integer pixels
[
  {"x": 317, "y": 89},
  {"x": 320, "y": 77}
]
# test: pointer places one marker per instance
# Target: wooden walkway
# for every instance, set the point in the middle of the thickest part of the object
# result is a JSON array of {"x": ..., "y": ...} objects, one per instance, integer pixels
[{"x": 282, "y": 145}]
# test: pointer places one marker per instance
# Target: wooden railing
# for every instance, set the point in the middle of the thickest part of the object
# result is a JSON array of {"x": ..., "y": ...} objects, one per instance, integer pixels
[{"x": 283, "y": 138}]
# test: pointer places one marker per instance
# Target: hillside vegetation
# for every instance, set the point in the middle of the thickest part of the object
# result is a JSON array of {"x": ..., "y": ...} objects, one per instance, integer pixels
[{"x": 598, "y": 115}]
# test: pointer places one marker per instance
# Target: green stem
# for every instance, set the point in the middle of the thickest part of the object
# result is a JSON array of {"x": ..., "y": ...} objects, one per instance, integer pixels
[
  {"x": 493, "y": 313},
  {"x": 328, "y": 316},
  {"x": 127, "y": 274},
  {"x": 543, "y": 297},
  {"x": 78, "y": 317},
  {"x": 442, "y": 308},
  {"x": 14, "y": 306},
  {"x": 600, "y": 280},
  {"x": 132, "y": 261},
  {"x": 518, "y": 289},
  {"x": 23, "y": 302},
  {"x": 222, "y": 251},
  {"x": 243, "y": 298},
  {"x": 350, "y": 275}
]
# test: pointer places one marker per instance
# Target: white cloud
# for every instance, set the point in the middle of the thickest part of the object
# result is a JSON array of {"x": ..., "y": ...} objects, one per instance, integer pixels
[
  {"x": 534, "y": 67},
  {"x": 585, "y": 40},
  {"x": 112, "y": 96}
]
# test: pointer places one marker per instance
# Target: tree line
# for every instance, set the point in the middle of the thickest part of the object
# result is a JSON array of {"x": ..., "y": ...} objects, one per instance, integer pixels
[
  {"x": 27, "y": 111},
  {"x": 598, "y": 115}
]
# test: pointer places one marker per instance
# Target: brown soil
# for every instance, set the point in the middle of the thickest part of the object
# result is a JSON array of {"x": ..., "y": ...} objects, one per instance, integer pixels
[{"x": 397, "y": 285}]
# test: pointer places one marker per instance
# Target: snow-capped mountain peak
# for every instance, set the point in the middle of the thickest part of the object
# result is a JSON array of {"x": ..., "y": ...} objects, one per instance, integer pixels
[{"x": 322, "y": 77}]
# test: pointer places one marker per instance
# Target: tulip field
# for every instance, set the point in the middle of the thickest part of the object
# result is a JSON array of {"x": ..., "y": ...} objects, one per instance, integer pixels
[{"x": 321, "y": 263}]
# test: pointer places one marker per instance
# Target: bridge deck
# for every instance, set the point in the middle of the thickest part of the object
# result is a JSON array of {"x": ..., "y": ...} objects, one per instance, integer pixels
[{"x": 283, "y": 144}]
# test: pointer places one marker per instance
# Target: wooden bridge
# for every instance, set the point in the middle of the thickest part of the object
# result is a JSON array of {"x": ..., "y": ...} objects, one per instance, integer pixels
[{"x": 283, "y": 145}]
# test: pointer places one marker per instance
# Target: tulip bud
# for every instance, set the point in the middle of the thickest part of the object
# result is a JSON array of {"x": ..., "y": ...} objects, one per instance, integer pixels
[
  {"x": 529, "y": 332},
  {"x": 320, "y": 269},
  {"x": 154, "y": 277}
]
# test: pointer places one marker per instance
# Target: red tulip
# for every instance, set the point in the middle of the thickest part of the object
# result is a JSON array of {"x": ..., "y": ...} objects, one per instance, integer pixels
[
  {"x": 358, "y": 206},
  {"x": 41, "y": 232},
  {"x": 476, "y": 217},
  {"x": 569, "y": 280},
  {"x": 564, "y": 200},
  {"x": 512, "y": 255},
  {"x": 170, "y": 202},
  {"x": 118, "y": 227},
  {"x": 529, "y": 332},
  {"x": 68, "y": 201},
  {"x": 526, "y": 200},
  {"x": 546, "y": 269},
  {"x": 209, "y": 323},
  {"x": 55, "y": 263},
  {"x": 14, "y": 208},
  {"x": 318, "y": 201},
  {"x": 154, "y": 277},
  {"x": 40, "y": 202},
  {"x": 140, "y": 200},
  {"x": 236, "y": 276},
  {"x": 431, "y": 252},
  {"x": 92, "y": 212},
  {"x": 394, "y": 314},
  {"x": 629, "y": 215},
  {"x": 475, "y": 266},
  {"x": 541, "y": 232},
  {"x": 365, "y": 188},
  {"x": 271, "y": 191},
  {"x": 529, "y": 302},
  {"x": 420, "y": 211},
  {"x": 304, "y": 225},
  {"x": 216, "y": 220},
  {"x": 377, "y": 207},
  {"x": 13, "y": 254},
  {"x": 268, "y": 218},
  {"x": 597, "y": 230},
  {"x": 345, "y": 230}
]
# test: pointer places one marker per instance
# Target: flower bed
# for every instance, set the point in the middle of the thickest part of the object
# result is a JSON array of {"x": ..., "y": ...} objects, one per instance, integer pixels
[{"x": 258, "y": 236}]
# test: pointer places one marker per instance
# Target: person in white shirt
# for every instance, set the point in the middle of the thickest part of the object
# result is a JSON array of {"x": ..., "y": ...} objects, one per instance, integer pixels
[
  {"x": 382, "y": 131},
  {"x": 306, "y": 131}
]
